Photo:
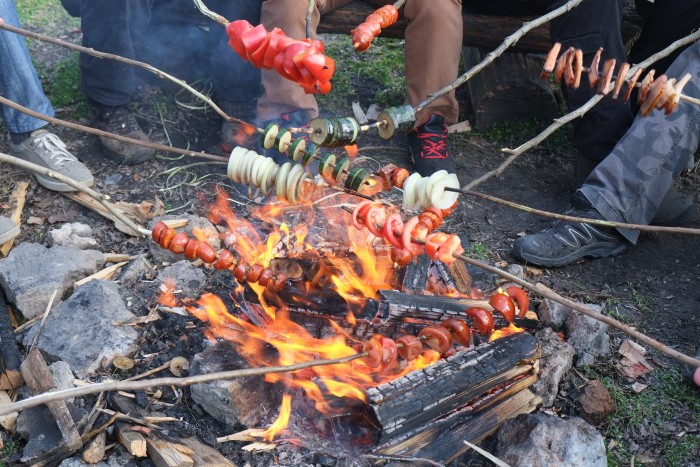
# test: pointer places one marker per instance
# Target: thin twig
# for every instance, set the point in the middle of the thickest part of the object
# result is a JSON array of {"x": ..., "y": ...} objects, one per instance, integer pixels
[
  {"x": 491, "y": 56},
  {"x": 43, "y": 320},
  {"x": 421, "y": 460},
  {"x": 486, "y": 454},
  {"x": 87, "y": 436},
  {"x": 550, "y": 294},
  {"x": 563, "y": 217},
  {"x": 309, "y": 13},
  {"x": 95, "y": 131},
  {"x": 559, "y": 122},
  {"x": 102, "y": 199},
  {"x": 210, "y": 14},
  {"x": 168, "y": 381},
  {"x": 128, "y": 61}
]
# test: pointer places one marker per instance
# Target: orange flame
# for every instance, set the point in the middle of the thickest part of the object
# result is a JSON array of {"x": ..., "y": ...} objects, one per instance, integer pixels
[
  {"x": 282, "y": 419},
  {"x": 352, "y": 150},
  {"x": 503, "y": 332}
]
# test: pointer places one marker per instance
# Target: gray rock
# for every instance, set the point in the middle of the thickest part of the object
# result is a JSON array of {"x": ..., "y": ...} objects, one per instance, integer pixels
[
  {"x": 243, "y": 400},
  {"x": 544, "y": 440},
  {"x": 116, "y": 458},
  {"x": 556, "y": 359},
  {"x": 138, "y": 269},
  {"x": 80, "y": 331},
  {"x": 62, "y": 376},
  {"x": 588, "y": 336},
  {"x": 75, "y": 235},
  {"x": 553, "y": 314},
  {"x": 60, "y": 267},
  {"x": 164, "y": 256},
  {"x": 185, "y": 277},
  {"x": 39, "y": 428},
  {"x": 516, "y": 270}
]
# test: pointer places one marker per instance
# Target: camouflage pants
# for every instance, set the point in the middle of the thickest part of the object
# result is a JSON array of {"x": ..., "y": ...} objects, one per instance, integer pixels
[{"x": 629, "y": 184}]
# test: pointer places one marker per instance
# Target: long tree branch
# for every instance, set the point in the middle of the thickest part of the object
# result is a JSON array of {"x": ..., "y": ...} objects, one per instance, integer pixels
[
  {"x": 168, "y": 381},
  {"x": 95, "y": 131},
  {"x": 128, "y": 61},
  {"x": 604, "y": 223},
  {"x": 102, "y": 199},
  {"x": 559, "y": 122},
  {"x": 550, "y": 294},
  {"x": 491, "y": 56}
]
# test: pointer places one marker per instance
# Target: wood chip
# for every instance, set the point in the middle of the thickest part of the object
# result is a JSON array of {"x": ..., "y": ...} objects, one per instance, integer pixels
[
  {"x": 164, "y": 454},
  {"x": 133, "y": 441},
  {"x": 105, "y": 274},
  {"x": 259, "y": 447},
  {"x": 205, "y": 455},
  {"x": 8, "y": 421},
  {"x": 95, "y": 449},
  {"x": 17, "y": 199}
]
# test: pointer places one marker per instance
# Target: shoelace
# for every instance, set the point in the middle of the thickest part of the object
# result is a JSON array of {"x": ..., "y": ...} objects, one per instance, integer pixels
[
  {"x": 432, "y": 149},
  {"x": 54, "y": 148}
]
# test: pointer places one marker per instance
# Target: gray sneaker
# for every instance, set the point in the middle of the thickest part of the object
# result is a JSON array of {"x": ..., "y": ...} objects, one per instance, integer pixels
[
  {"x": 47, "y": 150},
  {"x": 8, "y": 229}
]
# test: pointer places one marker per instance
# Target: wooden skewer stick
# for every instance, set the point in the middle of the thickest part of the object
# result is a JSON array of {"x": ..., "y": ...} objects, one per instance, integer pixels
[
  {"x": 550, "y": 294},
  {"x": 604, "y": 223}
]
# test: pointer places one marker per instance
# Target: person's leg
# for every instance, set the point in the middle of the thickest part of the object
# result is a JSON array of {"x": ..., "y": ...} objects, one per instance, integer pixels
[
  {"x": 117, "y": 28},
  {"x": 593, "y": 24},
  {"x": 18, "y": 78},
  {"x": 629, "y": 185},
  {"x": 433, "y": 47},
  {"x": 111, "y": 27},
  {"x": 282, "y": 96}
]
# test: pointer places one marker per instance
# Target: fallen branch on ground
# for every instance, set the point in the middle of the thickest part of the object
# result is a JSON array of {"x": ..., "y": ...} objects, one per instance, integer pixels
[{"x": 102, "y": 199}]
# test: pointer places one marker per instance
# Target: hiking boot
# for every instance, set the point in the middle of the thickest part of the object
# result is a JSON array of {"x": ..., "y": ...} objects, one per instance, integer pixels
[
  {"x": 47, "y": 150},
  {"x": 567, "y": 242},
  {"x": 295, "y": 119},
  {"x": 8, "y": 230},
  {"x": 428, "y": 147},
  {"x": 120, "y": 121},
  {"x": 675, "y": 209}
]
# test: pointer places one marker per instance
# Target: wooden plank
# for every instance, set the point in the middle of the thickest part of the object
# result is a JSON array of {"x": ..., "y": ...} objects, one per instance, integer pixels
[
  {"x": 10, "y": 358},
  {"x": 205, "y": 456},
  {"x": 133, "y": 441},
  {"x": 165, "y": 454},
  {"x": 39, "y": 380},
  {"x": 95, "y": 449},
  {"x": 17, "y": 200}
]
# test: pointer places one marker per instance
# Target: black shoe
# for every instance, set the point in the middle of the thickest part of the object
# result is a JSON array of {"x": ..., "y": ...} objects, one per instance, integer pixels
[
  {"x": 567, "y": 242},
  {"x": 428, "y": 147},
  {"x": 120, "y": 121},
  {"x": 295, "y": 119},
  {"x": 675, "y": 209}
]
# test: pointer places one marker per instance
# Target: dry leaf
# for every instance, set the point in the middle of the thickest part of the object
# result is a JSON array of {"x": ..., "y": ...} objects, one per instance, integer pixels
[{"x": 33, "y": 220}]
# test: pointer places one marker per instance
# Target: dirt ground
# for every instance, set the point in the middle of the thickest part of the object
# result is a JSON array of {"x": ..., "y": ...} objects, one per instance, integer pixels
[{"x": 650, "y": 286}]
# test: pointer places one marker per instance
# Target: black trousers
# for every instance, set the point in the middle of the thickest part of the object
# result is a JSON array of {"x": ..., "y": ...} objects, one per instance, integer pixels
[{"x": 169, "y": 34}]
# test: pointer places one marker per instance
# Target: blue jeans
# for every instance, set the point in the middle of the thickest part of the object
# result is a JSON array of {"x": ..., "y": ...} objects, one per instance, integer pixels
[{"x": 18, "y": 79}]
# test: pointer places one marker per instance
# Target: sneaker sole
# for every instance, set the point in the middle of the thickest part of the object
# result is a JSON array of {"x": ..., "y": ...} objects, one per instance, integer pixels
[
  {"x": 9, "y": 235},
  {"x": 55, "y": 185},
  {"x": 600, "y": 250}
]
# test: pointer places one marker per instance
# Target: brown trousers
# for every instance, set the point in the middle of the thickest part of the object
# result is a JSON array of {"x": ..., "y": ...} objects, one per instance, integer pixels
[{"x": 433, "y": 46}]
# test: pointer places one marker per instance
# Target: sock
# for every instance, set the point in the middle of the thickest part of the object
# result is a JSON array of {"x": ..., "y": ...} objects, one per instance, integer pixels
[{"x": 19, "y": 138}]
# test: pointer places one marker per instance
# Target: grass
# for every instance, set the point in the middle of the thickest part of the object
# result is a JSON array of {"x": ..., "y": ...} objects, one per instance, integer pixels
[
  {"x": 11, "y": 446},
  {"x": 512, "y": 134},
  {"x": 478, "y": 250},
  {"x": 61, "y": 84},
  {"x": 381, "y": 67},
  {"x": 655, "y": 408}
]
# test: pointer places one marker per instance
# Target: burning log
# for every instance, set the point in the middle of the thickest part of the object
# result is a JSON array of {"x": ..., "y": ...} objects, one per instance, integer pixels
[{"x": 443, "y": 400}]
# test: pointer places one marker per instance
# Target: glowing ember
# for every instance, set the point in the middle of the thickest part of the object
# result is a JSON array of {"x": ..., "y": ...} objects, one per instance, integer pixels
[
  {"x": 352, "y": 151},
  {"x": 503, "y": 332}
]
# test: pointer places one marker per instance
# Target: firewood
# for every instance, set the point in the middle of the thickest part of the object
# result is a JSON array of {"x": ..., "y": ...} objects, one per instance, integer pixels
[
  {"x": 165, "y": 454},
  {"x": 205, "y": 455},
  {"x": 39, "y": 380},
  {"x": 8, "y": 421},
  {"x": 95, "y": 449},
  {"x": 133, "y": 441},
  {"x": 139, "y": 213},
  {"x": 17, "y": 199},
  {"x": 10, "y": 358},
  {"x": 105, "y": 274}
]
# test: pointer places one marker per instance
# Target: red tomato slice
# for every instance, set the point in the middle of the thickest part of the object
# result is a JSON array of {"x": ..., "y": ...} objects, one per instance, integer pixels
[
  {"x": 433, "y": 242},
  {"x": 276, "y": 36},
  {"x": 320, "y": 66},
  {"x": 253, "y": 38},
  {"x": 256, "y": 58},
  {"x": 235, "y": 30},
  {"x": 324, "y": 88}
]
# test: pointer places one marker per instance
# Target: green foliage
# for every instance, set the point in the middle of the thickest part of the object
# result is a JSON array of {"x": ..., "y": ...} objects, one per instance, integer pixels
[
  {"x": 478, "y": 250},
  {"x": 656, "y": 407},
  {"x": 12, "y": 445},
  {"x": 61, "y": 84},
  {"x": 381, "y": 68},
  {"x": 513, "y": 134}
]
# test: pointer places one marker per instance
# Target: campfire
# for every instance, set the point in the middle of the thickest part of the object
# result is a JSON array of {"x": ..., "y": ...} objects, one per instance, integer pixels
[{"x": 415, "y": 332}]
